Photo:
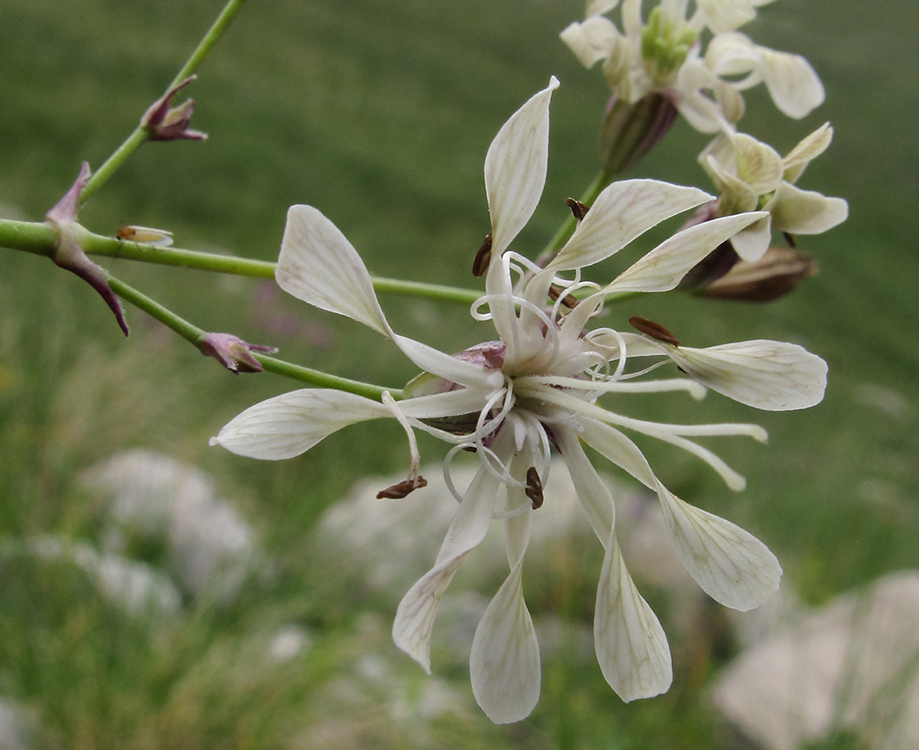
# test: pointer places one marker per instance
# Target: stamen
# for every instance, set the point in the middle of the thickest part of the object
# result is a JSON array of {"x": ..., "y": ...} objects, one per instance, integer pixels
[
  {"x": 654, "y": 330},
  {"x": 482, "y": 258},
  {"x": 403, "y": 488},
  {"x": 414, "y": 477},
  {"x": 534, "y": 487},
  {"x": 555, "y": 294},
  {"x": 577, "y": 208}
]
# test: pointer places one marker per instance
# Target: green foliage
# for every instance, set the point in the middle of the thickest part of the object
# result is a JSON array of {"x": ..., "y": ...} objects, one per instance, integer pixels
[{"x": 379, "y": 113}]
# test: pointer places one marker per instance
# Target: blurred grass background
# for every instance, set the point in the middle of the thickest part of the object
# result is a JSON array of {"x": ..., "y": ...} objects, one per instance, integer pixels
[{"x": 380, "y": 114}]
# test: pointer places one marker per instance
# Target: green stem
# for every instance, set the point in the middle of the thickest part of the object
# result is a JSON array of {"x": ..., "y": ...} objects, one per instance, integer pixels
[
  {"x": 39, "y": 238},
  {"x": 193, "y": 334},
  {"x": 139, "y": 136},
  {"x": 154, "y": 309},
  {"x": 210, "y": 39}
]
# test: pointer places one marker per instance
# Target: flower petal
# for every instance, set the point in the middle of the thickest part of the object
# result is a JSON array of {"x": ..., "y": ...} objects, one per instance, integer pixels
[
  {"x": 515, "y": 168},
  {"x": 592, "y": 492},
  {"x": 730, "y": 564},
  {"x": 665, "y": 266},
  {"x": 592, "y": 40},
  {"x": 292, "y": 423},
  {"x": 805, "y": 211},
  {"x": 806, "y": 151},
  {"x": 622, "y": 212},
  {"x": 726, "y": 15},
  {"x": 414, "y": 621},
  {"x": 456, "y": 370},
  {"x": 792, "y": 82},
  {"x": 418, "y": 608},
  {"x": 631, "y": 646},
  {"x": 446, "y": 404},
  {"x": 318, "y": 265},
  {"x": 758, "y": 164},
  {"x": 615, "y": 446},
  {"x": 752, "y": 243},
  {"x": 504, "y": 663},
  {"x": 770, "y": 375}
]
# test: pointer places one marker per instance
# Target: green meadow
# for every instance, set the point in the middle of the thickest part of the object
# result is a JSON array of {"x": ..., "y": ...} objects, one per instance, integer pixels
[{"x": 380, "y": 114}]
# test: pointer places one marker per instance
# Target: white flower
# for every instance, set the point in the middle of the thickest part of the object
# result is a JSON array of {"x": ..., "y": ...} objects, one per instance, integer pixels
[
  {"x": 664, "y": 56},
  {"x": 751, "y": 175},
  {"x": 535, "y": 386}
]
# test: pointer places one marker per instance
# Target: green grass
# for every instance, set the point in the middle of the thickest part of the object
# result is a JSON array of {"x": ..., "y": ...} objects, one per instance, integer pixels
[{"x": 380, "y": 114}]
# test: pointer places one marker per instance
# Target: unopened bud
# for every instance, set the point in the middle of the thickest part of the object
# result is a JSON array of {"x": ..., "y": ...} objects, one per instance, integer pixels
[
  {"x": 630, "y": 131},
  {"x": 232, "y": 352},
  {"x": 774, "y": 275},
  {"x": 165, "y": 124}
]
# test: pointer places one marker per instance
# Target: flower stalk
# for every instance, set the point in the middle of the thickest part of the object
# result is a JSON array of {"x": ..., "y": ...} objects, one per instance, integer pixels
[
  {"x": 197, "y": 336},
  {"x": 140, "y": 135}
]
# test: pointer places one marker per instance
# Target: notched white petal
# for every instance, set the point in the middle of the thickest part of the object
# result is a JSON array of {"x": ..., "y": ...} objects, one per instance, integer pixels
[
  {"x": 515, "y": 168},
  {"x": 730, "y": 564},
  {"x": 318, "y": 265},
  {"x": 631, "y": 645},
  {"x": 769, "y": 375},
  {"x": 622, "y": 212},
  {"x": 504, "y": 663},
  {"x": 292, "y": 423}
]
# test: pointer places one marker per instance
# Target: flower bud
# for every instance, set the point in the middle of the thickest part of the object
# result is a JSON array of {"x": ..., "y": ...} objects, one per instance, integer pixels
[
  {"x": 165, "y": 124},
  {"x": 232, "y": 352},
  {"x": 774, "y": 275},
  {"x": 630, "y": 131}
]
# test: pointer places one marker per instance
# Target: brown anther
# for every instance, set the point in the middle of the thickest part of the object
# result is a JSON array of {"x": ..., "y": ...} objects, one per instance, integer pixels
[
  {"x": 403, "y": 488},
  {"x": 577, "y": 208},
  {"x": 534, "y": 487},
  {"x": 482, "y": 258},
  {"x": 568, "y": 300},
  {"x": 790, "y": 239},
  {"x": 654, "y": 330}
]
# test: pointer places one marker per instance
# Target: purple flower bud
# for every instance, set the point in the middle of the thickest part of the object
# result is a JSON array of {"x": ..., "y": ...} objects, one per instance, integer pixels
[
  {"x": 165, "y": 124},
  {"x": 232, "y": 352}
]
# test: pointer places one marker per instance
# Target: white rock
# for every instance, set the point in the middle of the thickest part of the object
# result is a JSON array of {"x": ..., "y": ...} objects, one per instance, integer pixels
[
  {"x": 210, "y": 547},
  {"x": 851, "y": 666},
  {"x": 14, "y": 729},
  {"x": 136, "y": 587}
]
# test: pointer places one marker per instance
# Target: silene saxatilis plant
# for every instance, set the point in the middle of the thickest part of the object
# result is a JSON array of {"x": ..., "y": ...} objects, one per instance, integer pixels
[{"x": 549, "y": 376}]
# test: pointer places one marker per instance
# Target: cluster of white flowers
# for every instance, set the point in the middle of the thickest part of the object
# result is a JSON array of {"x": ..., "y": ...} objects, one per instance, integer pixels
[
  {"x": 664, "y": 55},
  {"x": 535, "y": 385},
  {"x": 751, "y": 175}
]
